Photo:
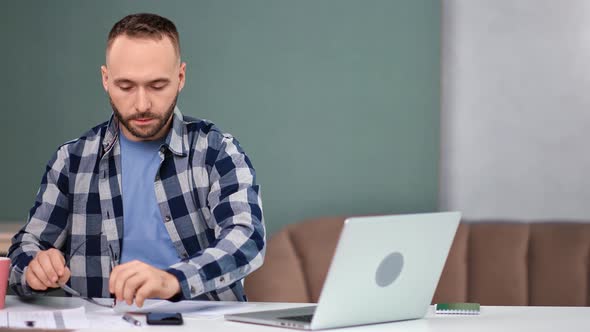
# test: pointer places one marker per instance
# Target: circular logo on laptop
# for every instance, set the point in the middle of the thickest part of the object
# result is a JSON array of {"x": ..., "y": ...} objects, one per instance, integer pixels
[{"x": 389, "y": 269}]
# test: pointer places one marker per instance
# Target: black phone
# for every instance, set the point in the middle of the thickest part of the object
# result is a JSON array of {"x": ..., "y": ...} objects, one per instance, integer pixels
[{"x": 164, "y": 318}]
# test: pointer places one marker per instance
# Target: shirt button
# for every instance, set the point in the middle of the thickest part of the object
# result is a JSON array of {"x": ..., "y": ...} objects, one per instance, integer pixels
[
  {"x": 193, "y": 290},
  {"x": 167, "y": 219},
  {"x": 222, "y": 279},
  {"x": 185, "y": 255}
]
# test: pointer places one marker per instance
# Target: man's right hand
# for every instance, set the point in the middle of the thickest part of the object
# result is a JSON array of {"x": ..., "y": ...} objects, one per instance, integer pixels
[{"x": 47, "y": 270}]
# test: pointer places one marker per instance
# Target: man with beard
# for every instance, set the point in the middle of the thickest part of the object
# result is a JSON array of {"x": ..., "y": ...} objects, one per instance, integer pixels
[{"x": 150, "y": 204}]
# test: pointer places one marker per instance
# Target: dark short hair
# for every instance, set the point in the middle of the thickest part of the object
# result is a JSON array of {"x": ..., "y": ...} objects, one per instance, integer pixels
[{"x": 145, "y": 25}]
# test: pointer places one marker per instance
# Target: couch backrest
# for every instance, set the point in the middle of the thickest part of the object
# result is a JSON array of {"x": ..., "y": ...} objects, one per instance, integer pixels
[{"x": 491, "y": 262}]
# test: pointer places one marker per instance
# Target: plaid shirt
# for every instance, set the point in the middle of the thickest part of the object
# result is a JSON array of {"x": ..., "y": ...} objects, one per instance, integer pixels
[{"x": 206, "y": 193}]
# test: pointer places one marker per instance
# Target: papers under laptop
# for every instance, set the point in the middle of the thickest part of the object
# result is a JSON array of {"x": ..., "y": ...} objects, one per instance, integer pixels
[
  {"x": 385, "y": 268},
  {"x": 187, "y": 308}
]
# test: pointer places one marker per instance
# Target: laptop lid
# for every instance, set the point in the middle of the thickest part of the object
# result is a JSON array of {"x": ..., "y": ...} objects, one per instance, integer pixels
[{"x": 385, "y": 268}]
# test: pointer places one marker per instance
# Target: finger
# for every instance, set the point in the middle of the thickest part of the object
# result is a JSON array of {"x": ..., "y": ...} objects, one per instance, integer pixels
[
  {"x": 115, "y": 274},
  {"x": 112, "y": 278},
  {"x": 121, "y": 280},
  {"x": 40, "y": 273},
  {"x": 45, "y": 262},
  {"x": 34, "y": 282},
  {"x": 57, "y": 260},
  {"x": 148, "y": 289},
  {"x": 65, "y": 276},
  {"x": 131, "y": 286}
]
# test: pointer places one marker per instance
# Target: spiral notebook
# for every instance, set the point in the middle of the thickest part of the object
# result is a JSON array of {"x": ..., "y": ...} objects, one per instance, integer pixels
[{"x": 457, "y": 308}]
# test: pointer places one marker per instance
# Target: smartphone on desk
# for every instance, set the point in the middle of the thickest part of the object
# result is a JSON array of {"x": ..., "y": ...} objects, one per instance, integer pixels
[{"x": 164, "y": 318}]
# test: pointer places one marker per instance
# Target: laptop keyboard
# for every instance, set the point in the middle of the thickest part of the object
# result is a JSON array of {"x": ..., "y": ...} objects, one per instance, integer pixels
[{"x": 302, "y": 318}]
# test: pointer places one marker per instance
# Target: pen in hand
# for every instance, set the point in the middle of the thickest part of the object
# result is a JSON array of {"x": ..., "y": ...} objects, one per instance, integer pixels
[{"x": 128, "y": 318}]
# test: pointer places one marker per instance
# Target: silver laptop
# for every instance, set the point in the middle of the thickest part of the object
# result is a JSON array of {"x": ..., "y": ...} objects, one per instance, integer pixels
[{"x": 385, "y": 268}]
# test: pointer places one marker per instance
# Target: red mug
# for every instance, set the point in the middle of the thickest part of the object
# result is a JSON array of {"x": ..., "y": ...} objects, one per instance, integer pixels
[{"x": 4, "y": 271}]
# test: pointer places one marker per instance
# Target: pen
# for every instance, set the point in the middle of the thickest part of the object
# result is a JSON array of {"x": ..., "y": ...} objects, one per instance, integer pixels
[
  {"x": 128, "y": 318},
  {"x": 68, "y": 289}
]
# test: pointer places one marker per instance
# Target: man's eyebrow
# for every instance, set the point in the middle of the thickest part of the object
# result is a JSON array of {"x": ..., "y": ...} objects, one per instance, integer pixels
[
  {"x": 123, "y": 81},
  {"x": 128, "y": 81},
  {"x": 159, "y": 80}
]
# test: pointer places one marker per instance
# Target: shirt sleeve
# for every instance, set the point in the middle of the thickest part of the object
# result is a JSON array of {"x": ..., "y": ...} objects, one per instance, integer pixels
[
  {"x": 236, "y": 207},
  {"x": 46, "y": 225}
]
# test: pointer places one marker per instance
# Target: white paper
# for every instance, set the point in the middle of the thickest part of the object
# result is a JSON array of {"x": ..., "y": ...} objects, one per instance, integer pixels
[
  {"x": 148, "y": 306},
  {"x": 108, "y": 321},
  {"x": 197, "y": 308},
  {"x": 46, "y": 319}
]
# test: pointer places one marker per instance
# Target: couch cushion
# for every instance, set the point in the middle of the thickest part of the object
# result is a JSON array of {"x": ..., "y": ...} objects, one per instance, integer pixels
[
  {"x": 559, "y": 264},
  {"x": 281, "y": 276},
  {"x": 315, "y": 243},
  {"x": 452, "y": 286},
  {"x": 498, "y": 272}
]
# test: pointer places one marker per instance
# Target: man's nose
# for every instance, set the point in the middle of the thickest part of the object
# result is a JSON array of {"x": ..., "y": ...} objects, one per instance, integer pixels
[{"x": 143, "y": 102}]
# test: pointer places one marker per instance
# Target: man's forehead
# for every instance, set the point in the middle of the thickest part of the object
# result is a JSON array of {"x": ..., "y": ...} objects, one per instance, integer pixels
[{"x": 141, "y": 51}]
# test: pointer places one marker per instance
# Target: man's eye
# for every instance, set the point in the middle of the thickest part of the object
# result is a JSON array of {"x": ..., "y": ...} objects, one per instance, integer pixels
[
  {"x": 125, "y": 88},
  {"x": 158, "y": 87}
]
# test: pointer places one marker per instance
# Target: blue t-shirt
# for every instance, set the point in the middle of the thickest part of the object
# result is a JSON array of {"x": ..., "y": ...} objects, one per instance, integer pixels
[{"x": 144, "y": 236}]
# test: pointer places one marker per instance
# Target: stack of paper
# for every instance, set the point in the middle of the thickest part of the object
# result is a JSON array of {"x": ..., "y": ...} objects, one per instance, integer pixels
[{"x": 46, "y": 319}]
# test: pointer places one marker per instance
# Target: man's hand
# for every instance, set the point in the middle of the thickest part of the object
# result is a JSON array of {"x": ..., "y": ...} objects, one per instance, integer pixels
[
  {"x": 138, "y": 280},
  {"x": 47, "y": 270}
]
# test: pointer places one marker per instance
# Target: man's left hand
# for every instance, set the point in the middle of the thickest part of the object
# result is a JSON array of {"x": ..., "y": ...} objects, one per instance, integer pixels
[{"x": 138, "y": 281}]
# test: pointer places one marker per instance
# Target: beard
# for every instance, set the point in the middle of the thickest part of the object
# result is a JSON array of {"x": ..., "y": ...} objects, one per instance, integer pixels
[{"x": 149, "y": 132}]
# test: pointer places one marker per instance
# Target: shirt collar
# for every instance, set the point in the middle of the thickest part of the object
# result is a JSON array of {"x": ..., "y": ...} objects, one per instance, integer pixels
[{"x": 174, "y": 139}]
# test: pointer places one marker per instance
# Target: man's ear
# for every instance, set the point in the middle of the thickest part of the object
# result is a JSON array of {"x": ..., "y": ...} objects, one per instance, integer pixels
[
  {"x": 105, "y": 77},
  {"x": 182, "y": 76}
]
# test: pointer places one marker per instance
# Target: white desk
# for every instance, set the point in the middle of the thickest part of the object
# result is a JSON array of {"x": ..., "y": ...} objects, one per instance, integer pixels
[{"x": 493, "y": 319}]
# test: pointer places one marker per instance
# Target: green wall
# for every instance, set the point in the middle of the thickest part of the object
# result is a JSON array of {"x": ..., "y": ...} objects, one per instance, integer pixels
[{"x": 335, "y": 101}]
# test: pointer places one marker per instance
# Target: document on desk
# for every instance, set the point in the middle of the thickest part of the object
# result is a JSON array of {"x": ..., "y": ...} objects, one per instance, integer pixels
[
  {"x": 196, "y": 308},
  {"x": 46, "y": 319}
]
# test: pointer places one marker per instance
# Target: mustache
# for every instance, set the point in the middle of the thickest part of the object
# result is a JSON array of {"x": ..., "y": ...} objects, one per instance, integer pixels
[{"x": 143, "y": 116}]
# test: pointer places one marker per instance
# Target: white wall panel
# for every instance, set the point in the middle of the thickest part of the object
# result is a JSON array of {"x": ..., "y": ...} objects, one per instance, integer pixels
[{"x": 516, "y": 108}]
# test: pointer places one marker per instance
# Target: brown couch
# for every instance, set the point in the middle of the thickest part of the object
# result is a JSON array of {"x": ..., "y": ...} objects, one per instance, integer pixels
[{"x": 492, "y": 262}]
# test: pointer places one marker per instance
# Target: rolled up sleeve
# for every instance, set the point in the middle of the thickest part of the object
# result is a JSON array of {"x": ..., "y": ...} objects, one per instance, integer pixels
[
  {"x": 46, "y": 225},
  {"x": 236, "y": 209}
]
